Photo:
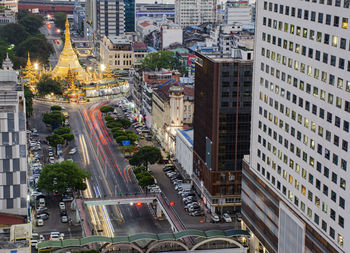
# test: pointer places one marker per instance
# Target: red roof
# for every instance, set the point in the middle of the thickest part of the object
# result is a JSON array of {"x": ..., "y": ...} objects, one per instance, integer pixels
[
  {"x": 163, "y": 90},
  {"x": 145, "y": 24},
  {"x": 139, "y": 46},
  {"x": 9, "y": 219}
]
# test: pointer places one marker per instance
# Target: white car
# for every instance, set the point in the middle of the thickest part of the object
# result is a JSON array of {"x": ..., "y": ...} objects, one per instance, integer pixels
[
  {"x": 34, "y": 243},
  {"x": 50, "y": 153},
  {"x": 64, "y": 219},
  {"x": 226, "y": 218},
  {"x": 73, "y": 151},
  {"x": 40, "y": 222},
  {"x": 52, "y": 160},
  {"x": 215, "y": 217},
  {"x": 62, "y": 206},
  {"x": 54, "y": 237}
]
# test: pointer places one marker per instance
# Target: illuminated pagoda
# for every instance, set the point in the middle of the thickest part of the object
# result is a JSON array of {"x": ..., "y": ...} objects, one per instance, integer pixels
[
  {"x": 29, "y": 75},
  {"x": 68, "y": 60}
]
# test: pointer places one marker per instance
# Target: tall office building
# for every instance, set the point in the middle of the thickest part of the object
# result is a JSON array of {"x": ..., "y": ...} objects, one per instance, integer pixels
[
  {"x": 130, "y": 15},
  {"x": 194, "y": 12},
  {"x": 13, "y": 143},
  {"x": 238, "y": 12},
  {"x": 221, "y": 126},
  {"x": 295, "y": 196},
  {"x": 110, "y": 17}
]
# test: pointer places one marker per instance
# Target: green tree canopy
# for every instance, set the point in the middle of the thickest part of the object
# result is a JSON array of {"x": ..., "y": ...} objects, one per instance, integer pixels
[
  {"x": 55, "y": 139},
  {"x": 56, "y": 108},
  {"x": 125, "y": 122},
  {"x": 14, "y": 33},
  {"x": 32, "y": 23},
  {"x": 29, "y": 101},
  {"x": 53, "y": 118},
  {"x": 146, "y": 155},
  {"x": 160, "y": 59},
  {"x": 62, "y": 130},
  {"x": 68, "y": 137},
  {"x": 105, "y": 109},
  {"x": 146, "y": 181},
  {"x": 47, "y": 85},
  {"x": 109, "y": 118},
  {"x": 60, "y": 20},
  {"x": 114, "y": 124},
  {"x": 22, "y": 13},
  {"x": 38, "y": 46},
  {"x": 63, "y": 176}
]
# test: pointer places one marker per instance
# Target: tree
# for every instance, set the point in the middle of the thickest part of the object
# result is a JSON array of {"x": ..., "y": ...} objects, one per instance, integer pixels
[
  {"x": 109, "y": 118},
  {"x": 113, "y": 124},
  {"x": 55, "y": 139},
  {"x": 56, "y": 108},
  {"x": 160, "y": 59},
  {"x": 125, "y": 122},
  {"x": 146, "y": 181},
  {"x": 121, "y": 138},
  {"x": 53, "y": 118},
  {"x": 60, "y": 20},
  {"x": 28, "y": 95},
  {"x": 63, "y": 176},
  {"x": 68, "y": 137},
  {"x": 47, "y": 85},
  {"x": 22, "y": 13},
  {"x": 146, "y": 155},
  {"x": 106, "y": 109},
  {"x": 14, "y": 33},
  {"x": 38, "y": 46},
  {"x": 62, "y": 130},
  {"x": 32, "y": 23}
]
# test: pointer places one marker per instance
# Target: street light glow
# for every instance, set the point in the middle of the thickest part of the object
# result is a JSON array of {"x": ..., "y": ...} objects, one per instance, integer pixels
[
  {"x": 36, "y": 66},
  {"x": 103, "y": 67}
]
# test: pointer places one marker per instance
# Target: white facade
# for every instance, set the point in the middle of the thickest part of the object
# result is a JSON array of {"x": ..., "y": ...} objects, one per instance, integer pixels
[
  {"x": 170, "y": 34},
  {"x": 194, "y": 12},
  {"x": 13, "y": 143},
  {"x": 238, "y": 12},
  {"x": 10, "y": 4},
  {"x": 184, "y": 150},
  {"x": 301, "y": 111}
]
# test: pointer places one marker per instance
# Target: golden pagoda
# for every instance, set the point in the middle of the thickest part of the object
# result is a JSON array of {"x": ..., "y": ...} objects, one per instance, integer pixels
[
  {"x": 28, "y": 73},
  {"x": 108, "y": 73},
  {"x": 68, "y": 60}
]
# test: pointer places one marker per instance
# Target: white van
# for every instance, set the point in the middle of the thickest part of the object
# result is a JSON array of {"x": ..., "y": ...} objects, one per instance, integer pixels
[{"x": 42, "y": 202}]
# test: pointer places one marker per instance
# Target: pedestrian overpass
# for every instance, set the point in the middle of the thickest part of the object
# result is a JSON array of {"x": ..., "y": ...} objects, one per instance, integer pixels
[{"x": 150, "y": 242}]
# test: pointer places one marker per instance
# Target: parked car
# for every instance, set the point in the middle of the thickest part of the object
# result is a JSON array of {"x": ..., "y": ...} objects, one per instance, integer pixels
[
  {"x": 64, "y": 219},
  {"x": 67, "y": 198},
  {"x": 214, "y": 217},
  {"x": 52, "y": 160},
  {"x": 239, "y": 217},
  {"x": 226, "y": 217},
  {"x": 41, "y": 209},
  {"x": 34, "y": 135},
  {"x": 62, "y": 206},
  {"x": 63, "y": 212},
  {"x": 43, "y": 216},
  {"x": 50, "y": 153},
  {"x": 40, "y": 222},
  {"x": 197, "y": 213}
]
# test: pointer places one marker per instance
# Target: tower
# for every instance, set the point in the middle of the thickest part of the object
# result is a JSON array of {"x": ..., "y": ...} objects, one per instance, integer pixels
[
  {"x": 176, "y": 95},
  {"x": 294, "y": 192}
]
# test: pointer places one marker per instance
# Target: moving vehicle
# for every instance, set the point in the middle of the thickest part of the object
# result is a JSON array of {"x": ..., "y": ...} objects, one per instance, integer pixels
[
  {"x": 52, "y": 160},
  {"x": 73, "y": 151},
  {"x": 64, "y": 219}
]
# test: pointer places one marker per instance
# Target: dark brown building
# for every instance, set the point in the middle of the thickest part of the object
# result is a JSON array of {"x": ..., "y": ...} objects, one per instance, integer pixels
[{"x": 221, "y": 128}]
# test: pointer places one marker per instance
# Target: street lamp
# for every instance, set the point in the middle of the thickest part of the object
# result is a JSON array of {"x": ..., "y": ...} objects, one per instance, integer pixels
[
  {"x": 103, "y": 67},
  {"x": 58, "y": 30},
  {"x": 36, "y": 66}
]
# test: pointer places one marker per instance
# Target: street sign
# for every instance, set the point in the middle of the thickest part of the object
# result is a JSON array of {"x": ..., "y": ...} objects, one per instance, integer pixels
[{"x": 126, "y": 143}]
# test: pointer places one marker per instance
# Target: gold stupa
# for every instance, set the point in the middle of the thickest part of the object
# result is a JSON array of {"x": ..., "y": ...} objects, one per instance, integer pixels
[{"x": 68, "y": 60}]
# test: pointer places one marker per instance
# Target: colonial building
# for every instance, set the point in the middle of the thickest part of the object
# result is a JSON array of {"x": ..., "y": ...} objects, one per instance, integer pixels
[
  {"x": 140, "y": 52},
  {"x": 116, "y": 51},
  {"x": 13, "y": 143},
  {"x": 172, "y": 107}
]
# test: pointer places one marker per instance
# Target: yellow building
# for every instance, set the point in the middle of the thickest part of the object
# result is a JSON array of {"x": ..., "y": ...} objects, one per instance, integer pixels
[{"x": 117, "y": 52}]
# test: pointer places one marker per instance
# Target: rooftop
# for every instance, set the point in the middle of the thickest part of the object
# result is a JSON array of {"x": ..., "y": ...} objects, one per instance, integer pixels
[
  {"x": 163, "y": 90},
  {"x": 139, "y": 46},
  {"x": 119, "y": 39}
]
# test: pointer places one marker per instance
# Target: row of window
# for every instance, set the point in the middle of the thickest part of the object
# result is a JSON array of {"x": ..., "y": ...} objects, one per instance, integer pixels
[{"x": 303, "y": 208}]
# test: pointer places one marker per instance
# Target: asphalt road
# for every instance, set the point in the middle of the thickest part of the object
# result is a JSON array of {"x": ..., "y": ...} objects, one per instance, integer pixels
[{"x": 99, "y": 154}]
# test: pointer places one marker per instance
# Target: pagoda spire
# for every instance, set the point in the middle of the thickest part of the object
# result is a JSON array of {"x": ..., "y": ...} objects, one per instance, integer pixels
[
  {"x": 28, "y": 72},
  {"x": 108, "y": 73}
]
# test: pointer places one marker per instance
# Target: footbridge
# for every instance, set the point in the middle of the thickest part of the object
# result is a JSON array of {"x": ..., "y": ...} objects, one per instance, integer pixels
[{"x": 149, "y": 242}]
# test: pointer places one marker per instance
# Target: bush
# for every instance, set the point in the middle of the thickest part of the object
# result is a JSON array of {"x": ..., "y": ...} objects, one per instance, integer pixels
[
  {"x": 105, "y": 109},
  {"x": 113, "y": 124},
  {"x": 56, "y": 108},
  {"x": 121, "y": 138},
  {"x": 146, "y": 181},
  {"x": 124, "y": 122},
  {"x": 139, "y": 169},
  {"x": 109, "y": 118}
]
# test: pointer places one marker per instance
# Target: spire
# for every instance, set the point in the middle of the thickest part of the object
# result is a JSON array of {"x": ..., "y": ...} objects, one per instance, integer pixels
[
  {"x": 67, "y": 32},
  {"x": 28, "y": 60},
  {"x": 7, "y": 64}
]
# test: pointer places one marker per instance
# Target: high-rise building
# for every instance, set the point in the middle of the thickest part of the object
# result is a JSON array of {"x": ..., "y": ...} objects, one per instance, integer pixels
[
  {"x": 130, "y": 15},
  {"x": 195, "y": 12},
  {"x": 110, "y": 17},
  {"x": 13, "y": 143},
  {"x": 221, "y": 126},
  {"x": 294, "y": 189},
  {"x": 238, "y": 11}
]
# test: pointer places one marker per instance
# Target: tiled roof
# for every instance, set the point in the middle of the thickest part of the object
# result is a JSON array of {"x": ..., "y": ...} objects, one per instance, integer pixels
[
  {"x": 139, "y": 46},
  {"x": 8, "y": 219},
  {"x": 163, "y": 90},
  {"x": 145, "y": 24}
]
